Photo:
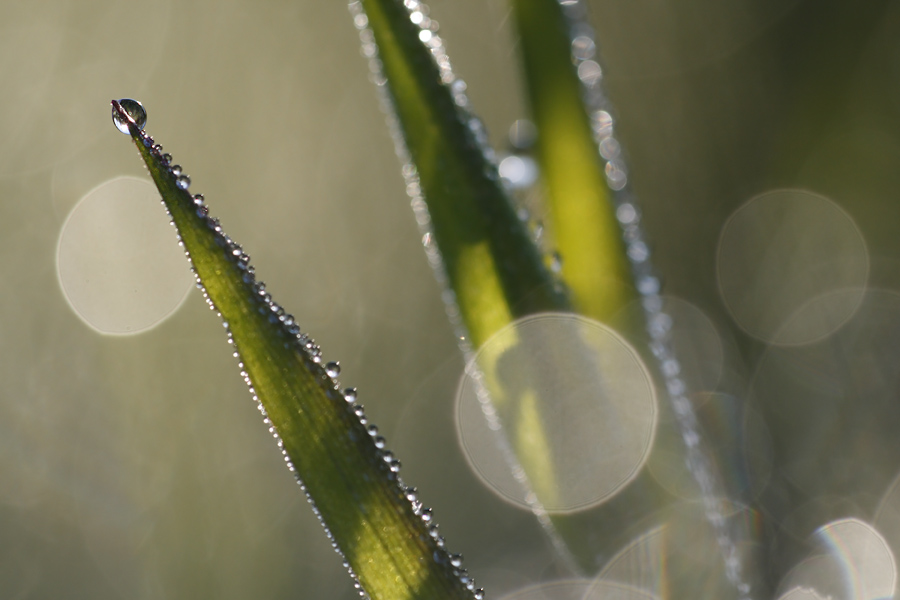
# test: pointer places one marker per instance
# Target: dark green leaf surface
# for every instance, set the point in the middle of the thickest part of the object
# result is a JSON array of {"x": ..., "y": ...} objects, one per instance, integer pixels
[
  {"x": 349, "y": 479},
  {"x": 493, "y": 265}
]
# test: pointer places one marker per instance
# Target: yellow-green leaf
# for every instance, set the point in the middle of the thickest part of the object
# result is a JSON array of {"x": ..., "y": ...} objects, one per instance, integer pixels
[{"x": 387, "y": 540}]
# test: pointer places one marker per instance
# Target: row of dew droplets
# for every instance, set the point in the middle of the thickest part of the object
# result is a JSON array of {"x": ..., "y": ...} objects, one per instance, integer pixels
[
  {"x": 659, "y": 322},
  {"x": 428, "y": 35},
  {"x": 127, "y": 113}
]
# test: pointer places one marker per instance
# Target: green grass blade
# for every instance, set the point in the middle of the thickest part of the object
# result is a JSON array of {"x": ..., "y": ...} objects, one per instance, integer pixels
[
  {"x": 491, "y": 262},
  {"x": 583, "y": 223},
  {"x": 390, "y": 545}
]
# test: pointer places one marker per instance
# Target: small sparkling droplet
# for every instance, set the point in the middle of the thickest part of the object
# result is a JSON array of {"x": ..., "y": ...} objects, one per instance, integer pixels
[
  {"x": 135, "y": 110},
  {"x": 556, "y": 262},
  {"x": 583, "y": 47},
  {"x": 333, "y": 369},
  {"x": 183, "y": 182}
]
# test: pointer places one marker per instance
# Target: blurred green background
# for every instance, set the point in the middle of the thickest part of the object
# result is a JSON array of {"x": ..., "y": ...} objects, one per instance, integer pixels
[{"x": 115, "y": 481}]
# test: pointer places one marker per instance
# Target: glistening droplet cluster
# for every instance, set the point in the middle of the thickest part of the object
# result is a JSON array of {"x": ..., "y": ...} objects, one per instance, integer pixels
[
  {"x": 647, "y": 282},
  {"x": 128, "y": 114}
]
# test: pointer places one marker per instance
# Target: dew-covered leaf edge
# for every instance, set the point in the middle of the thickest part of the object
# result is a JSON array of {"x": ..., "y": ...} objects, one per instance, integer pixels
[
  {"x": 480, "y": 247},
  {"x": 389, "y": 542},
  {"x": 483, "y": 254}
]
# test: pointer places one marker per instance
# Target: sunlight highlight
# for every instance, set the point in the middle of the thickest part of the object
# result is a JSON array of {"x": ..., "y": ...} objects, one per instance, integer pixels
[
  {"x": 118, "y": 262},
  {"x": 595, "y": 402}
]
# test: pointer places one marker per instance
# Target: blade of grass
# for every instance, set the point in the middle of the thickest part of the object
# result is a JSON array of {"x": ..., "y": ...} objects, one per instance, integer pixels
[
  {"x": 490, "y": 260},
  {"x": 388, "y": 541},
  {"x": 570, "y": 148},
  {"x": 583, "y": 223},
  {"x": 484, "y": 252}
]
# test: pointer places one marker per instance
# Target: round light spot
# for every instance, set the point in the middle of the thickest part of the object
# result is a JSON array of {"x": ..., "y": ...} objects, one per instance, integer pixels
[
  {"x": 836, "y": 404},
  {"x": 565, "y": 589},
  {"x": 801, "y": 593},
  {"x": 559, "y": 406},
  {"x": 887, "y": 517},
  {"x": 519, "y": 171},
  {"x": 118, "y": 262},
  {"x": 681, "y": 556},
  {"x": 738, "y": 443},
  {"x": 815, "y": 578},
  {"x": 791, "y": 267},
  {"x": 850, "y": 559},
  {"x": 640, "y": 563},
  {"x": 866, "y": 561}
]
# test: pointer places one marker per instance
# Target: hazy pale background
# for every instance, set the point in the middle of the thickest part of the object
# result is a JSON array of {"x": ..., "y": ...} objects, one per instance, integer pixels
[{"x": 137, "y": 466}]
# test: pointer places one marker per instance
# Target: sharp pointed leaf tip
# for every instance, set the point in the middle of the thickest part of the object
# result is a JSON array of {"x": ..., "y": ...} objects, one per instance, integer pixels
[{"x": 273, "y": 351}]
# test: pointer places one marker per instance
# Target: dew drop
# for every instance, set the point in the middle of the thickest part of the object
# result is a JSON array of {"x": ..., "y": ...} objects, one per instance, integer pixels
[
  {"x": 556, "y": 262},
  {"x": 135, "y": 111},
  {"x": 583, "y": 47},
  {"x": 333, "y": 369},
  {"x": 183, "y": 182}
]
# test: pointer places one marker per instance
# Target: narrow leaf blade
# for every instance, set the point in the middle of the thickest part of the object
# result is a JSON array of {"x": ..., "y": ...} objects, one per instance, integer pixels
[
  {"x": 584, "y": 227},
  {"x": 493, "y": 266},
  {"x": 352, "y": 483}
]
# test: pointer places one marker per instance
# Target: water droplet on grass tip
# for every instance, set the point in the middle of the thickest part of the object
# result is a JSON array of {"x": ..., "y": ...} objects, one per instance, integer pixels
[
  {"x": 134, "y": 109},
  {"x": 333, "y": 369}
]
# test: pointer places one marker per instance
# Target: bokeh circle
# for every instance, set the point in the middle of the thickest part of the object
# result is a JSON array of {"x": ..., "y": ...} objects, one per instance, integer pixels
[
  {"x": 564, "y": 398},
  {"x": 791, "y": 267},
  {"x": 118, "y": 262}
]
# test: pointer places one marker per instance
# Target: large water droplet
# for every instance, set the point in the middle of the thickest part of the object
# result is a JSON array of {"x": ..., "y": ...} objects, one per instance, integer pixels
[{"x": 135, "y": 111}]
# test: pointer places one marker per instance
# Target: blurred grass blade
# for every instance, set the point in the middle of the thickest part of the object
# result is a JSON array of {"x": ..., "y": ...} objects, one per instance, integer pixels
[
  {"x": 586, "y": 185},
  {"x": 387, "y": 540},
  {"x": 579, "y": 200},
  {"x": 491, "y": 263},
  {"x": 473, "y": 237}
]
